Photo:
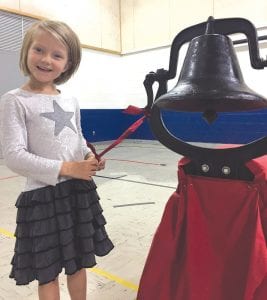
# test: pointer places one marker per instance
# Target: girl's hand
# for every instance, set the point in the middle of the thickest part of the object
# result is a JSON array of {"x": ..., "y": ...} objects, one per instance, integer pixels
[
  {"x": 101, "y": 164},
  {"x": 84, "y": 169}
]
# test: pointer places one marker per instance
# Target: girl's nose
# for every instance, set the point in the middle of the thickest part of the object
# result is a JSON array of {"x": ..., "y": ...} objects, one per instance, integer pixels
[{"x": 46, "y": 58}]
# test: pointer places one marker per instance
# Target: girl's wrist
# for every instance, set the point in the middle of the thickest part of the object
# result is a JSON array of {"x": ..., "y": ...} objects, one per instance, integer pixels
[{"x": 66, "y": 168}]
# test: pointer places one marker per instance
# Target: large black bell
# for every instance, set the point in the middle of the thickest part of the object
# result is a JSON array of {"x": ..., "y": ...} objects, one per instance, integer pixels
[{"x": 210, "y": 80}]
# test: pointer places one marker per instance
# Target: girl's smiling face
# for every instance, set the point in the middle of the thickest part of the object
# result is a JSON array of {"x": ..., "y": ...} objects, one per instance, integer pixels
[{"x": 47, "y": 59}]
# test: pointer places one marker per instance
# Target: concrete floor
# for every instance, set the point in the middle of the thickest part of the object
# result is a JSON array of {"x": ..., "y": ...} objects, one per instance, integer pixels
[{"x": 134, "y": 188}]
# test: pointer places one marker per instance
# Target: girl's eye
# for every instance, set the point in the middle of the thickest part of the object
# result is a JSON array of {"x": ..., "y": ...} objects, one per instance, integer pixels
[
  {"x": 38, "y": 49},
  {"x": 58, "y": 56}
]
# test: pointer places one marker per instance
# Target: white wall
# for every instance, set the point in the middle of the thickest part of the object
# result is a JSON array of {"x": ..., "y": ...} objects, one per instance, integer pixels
[
  {"x": 96, "y": 83},
  {"x": 111, "y": 81}
]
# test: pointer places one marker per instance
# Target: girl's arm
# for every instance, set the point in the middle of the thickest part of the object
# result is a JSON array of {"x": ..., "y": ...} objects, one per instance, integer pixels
[{"x": 13, "y": 138}]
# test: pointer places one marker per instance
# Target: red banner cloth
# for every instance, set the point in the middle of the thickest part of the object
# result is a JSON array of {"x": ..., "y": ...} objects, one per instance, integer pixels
[{"x": 211, "y": 241}]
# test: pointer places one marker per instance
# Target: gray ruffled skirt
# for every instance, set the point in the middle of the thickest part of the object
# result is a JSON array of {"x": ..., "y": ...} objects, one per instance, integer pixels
[{"x": 58, "y": 227}]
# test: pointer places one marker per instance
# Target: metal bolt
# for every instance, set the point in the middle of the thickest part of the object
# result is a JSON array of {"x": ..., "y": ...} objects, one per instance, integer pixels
[
  {"x": 205, "y": 168},
  {"x": 226, "y": 170}
]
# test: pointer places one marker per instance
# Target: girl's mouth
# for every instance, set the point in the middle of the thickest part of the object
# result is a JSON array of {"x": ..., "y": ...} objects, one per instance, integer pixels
[{"x": 44, "y": 69}]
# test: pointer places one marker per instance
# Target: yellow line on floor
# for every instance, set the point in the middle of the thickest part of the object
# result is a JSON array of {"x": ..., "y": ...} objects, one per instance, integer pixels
[
  {"x": 114, "y": 278},
  {"x": 6, "y": 233},
  {"x": 98, "y": 271}
]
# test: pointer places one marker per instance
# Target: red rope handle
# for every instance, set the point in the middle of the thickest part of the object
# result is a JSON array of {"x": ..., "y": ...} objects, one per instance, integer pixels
[{"x": 133, "y": 110}]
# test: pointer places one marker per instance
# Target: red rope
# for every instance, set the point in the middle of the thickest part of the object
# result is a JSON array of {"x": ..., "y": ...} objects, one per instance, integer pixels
[{"x": 132, "y": 110}]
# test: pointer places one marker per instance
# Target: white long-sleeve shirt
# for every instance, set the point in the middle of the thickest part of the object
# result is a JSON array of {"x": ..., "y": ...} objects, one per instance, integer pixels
[{"x": 37, "y": 133}]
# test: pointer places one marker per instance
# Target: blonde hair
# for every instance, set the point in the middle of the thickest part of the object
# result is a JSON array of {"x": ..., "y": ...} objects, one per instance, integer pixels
[{"x": 61, "y": 32}]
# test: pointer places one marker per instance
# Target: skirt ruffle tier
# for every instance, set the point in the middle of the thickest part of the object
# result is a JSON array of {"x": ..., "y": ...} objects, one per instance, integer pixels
[{"x": 58, "y": 227}]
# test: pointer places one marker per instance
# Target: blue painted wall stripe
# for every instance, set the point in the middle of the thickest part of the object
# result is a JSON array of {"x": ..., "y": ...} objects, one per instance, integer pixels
[{"x": 109, "y": 124}]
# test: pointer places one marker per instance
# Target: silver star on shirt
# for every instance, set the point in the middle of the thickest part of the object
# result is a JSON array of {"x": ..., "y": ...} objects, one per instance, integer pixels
[{"x": 60, "y": 117}]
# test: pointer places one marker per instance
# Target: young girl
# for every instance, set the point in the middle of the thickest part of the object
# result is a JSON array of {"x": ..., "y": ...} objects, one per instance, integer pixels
[{"x": 59, "y": 218}]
